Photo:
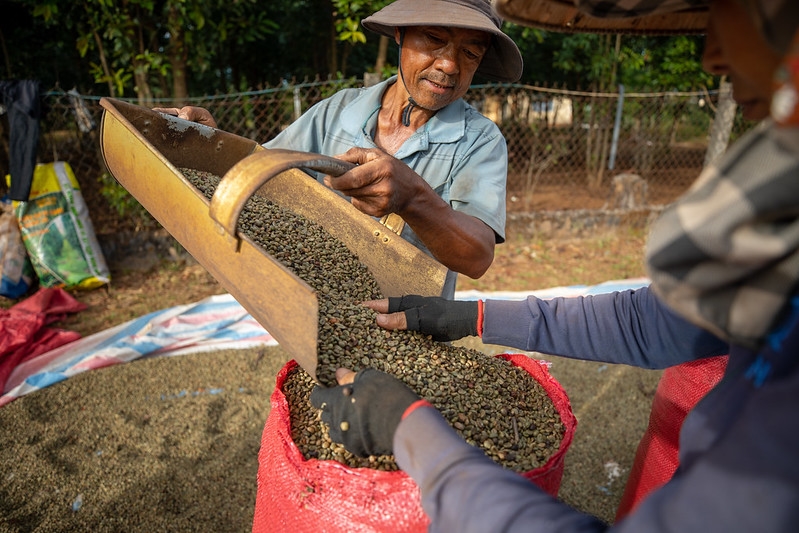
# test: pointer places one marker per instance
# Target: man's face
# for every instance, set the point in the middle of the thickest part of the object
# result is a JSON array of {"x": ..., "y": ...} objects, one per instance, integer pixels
[
  {"x": 438, "y": 63},
  {"x": 736, "y": 49}
]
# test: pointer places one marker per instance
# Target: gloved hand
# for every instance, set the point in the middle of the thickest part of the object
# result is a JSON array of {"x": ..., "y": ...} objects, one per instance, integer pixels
[
  {"x": 364, "y": 415},
  {"x": 444, "y": 320}
]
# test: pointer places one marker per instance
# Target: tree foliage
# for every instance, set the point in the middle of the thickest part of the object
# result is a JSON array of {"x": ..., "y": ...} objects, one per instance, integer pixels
[
  {"x": 583, "y": 61},
  {"x": 176, "y": 48},
  {"x": 603, "y": 63},
  {"x": 148, "y": 47}
]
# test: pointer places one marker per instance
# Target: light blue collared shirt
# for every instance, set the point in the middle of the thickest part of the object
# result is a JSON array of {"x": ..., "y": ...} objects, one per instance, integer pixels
[{"x": 460, "y": 153}]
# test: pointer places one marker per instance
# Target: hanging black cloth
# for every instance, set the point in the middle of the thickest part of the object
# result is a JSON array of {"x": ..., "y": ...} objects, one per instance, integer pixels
[{"x": 23, "y": 104}]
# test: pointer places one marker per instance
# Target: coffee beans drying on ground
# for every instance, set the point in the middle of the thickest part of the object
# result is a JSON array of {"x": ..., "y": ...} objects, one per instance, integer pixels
[{"x": 493, "y": 404}]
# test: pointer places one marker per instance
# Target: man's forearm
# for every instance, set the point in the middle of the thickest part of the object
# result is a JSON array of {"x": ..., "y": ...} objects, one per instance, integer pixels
[{"x": 461, "y": 242}]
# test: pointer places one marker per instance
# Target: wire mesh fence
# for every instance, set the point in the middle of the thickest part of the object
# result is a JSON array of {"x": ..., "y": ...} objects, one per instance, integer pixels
[{"x": 566, "y": 148}]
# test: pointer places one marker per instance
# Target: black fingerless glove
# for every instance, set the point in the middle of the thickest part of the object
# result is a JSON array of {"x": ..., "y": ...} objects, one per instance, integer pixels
[
  {"x": 444, "y": 320},
  {"x": 364, "y": 415}
]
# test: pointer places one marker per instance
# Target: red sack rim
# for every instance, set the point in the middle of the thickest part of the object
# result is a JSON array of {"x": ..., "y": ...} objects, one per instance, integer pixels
[
  {"x": 540, "y": 372},
  {"x": 537, "y": 369}
]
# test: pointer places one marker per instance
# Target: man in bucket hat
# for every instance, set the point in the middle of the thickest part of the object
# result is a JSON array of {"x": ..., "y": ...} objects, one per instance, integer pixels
[
  {"x": 423, "y": 153},
  {"x": 724, "y": 260}
]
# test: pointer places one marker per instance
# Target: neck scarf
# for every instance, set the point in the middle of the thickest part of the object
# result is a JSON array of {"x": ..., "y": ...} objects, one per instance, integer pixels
[{"x": 726, "y": 255}]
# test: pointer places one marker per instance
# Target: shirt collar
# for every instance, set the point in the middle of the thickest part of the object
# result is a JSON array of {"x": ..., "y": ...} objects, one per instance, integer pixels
[{"x": 446, "y": 126}]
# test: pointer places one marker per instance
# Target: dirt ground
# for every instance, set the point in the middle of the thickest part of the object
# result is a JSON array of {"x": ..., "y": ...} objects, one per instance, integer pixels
[
  {"x": 524, "y": 262},
  {"x": 170, "y": 444}
]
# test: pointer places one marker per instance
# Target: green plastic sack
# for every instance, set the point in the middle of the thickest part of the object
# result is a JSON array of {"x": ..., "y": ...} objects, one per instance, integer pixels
[{"x": 58, "y": 232}]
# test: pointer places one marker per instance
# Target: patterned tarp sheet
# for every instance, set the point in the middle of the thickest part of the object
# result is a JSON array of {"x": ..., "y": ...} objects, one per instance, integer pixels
[{"x": 216, "y": 323}]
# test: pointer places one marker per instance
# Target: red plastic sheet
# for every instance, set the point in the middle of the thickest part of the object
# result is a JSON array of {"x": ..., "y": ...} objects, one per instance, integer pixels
[
  {"x": 301, "y": 495},
  {"x": 23, "y": 328}
]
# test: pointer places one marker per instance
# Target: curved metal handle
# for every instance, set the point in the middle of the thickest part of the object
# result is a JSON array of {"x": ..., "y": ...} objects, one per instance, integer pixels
[{"x": 248, "y": 175}]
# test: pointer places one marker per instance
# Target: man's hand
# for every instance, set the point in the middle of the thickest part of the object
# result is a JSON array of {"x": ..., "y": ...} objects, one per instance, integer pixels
[
  {"x": 380, "y": 184},
  {"x": 363, "y": 412},
  {"x": 444, "y": 320},
  {"x": 191, "y": 113}
]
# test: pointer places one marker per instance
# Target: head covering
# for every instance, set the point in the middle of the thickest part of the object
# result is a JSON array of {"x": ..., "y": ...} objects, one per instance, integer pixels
[
  {"x": 776, "y": 19},
  {"x": 502, "y": 61}
]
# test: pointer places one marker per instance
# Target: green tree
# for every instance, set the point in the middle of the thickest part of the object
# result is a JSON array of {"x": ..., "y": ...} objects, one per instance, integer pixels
[
  {"x": 135, "y": 45},
  {"x": 600, "y": 63},
  {"x": 347, "y": 17},
  {"x": 163, "y": 48},
  {"x": 33, "y": 51},
  {"x": 668, "y": 63}
]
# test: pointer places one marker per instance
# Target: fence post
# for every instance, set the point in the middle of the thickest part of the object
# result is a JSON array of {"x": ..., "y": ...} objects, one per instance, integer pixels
[
  {"x": 297, "y": 104},
  {"x": 722, "y": 122},
  {"x": 616, "y": 127}
]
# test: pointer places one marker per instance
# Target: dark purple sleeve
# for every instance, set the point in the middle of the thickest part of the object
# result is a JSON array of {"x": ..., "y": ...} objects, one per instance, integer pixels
[
  {"x": 463, "y": 490},
  {"x": 630, "y": 327},
  {"x": 745, "y": 482}
]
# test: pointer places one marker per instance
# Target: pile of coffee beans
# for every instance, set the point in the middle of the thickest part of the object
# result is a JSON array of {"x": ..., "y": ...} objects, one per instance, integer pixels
[{"x": 492, "y": 403}]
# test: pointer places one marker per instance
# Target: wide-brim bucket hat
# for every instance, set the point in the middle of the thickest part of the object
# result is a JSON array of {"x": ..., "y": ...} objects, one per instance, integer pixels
[
  {"x": 776, "y": 19},
  {"x": 502, "y": 61}
]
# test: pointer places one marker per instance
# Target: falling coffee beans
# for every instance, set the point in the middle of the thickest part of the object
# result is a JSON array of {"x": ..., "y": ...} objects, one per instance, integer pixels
[{"x": 490, "y": 402}]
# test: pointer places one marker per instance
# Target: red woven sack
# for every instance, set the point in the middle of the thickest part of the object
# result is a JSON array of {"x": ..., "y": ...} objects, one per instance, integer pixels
[
  {"x": 657, "y": 456},
  {"x": 298, "y": 495}
]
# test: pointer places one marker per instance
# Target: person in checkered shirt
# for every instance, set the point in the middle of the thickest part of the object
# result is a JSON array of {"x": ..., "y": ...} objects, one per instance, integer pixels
[{"x": 724, "y": 264}]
